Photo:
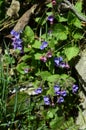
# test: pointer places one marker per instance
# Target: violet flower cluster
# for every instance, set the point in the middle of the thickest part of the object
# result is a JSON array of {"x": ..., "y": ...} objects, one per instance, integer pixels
[
  {"x": 60, "y": 63},
  {"x": 60, "y": 93},
  {"x": 57, "y": 60},
  {"x": 16, "y": 40},
  {"x": 46, "y": 56},
  {"x": 75, "y": 88}
]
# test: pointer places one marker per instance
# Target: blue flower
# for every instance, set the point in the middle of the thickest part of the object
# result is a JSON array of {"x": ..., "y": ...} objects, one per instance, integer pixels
[
  {"x": 59, "y": 63},
  {"x": 51, "y": 19},
  {"x": 16, "y": 40},
  {"x": 75, "y": 88},
  {"x": 46, "y": 100},
  {"x": 17, "y": 45},
  {"x": 60, "y": 100},
  {"x": 56, "y": 88},
  {"x": 58, "y": 60},
  {"x": 62, "y": 65},
  {"x": 38, "y": 90},
  {"x": 15, "y": 34},
  {"x": 63, "y": 93},
  {"x": 44, "y": 45},
  {"x": 58, "y": 93}
]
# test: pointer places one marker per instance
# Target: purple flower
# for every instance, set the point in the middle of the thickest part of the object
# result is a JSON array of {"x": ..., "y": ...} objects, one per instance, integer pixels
[
  {"x": 62, "y": 65},
  {"x": 51, "y": 19},
  {"x": 58, "y": 60},
  {"x": 75, "y": 88},
  {"x": 56, "y": 88},
  {"x": 58, "y": 93},
  {"x": 16, "y": 43},
  {"x": 16, "y": 40},
  {"x": 53, "y": 2},
  {"x": 44, "y": 45},
  {"x": 49, "y": 54},
  {"x": 67, "y": 66},
  {"x": 60, "y": 100},
  {"x": 38, "y": 90},
  {"x": 46, "y": 100},
  {"x": 15, "y": 34},
  {"x": 63, "y": 93},
  {"x": 43, "y": 58},
  {"x": 19, "y": 47}
]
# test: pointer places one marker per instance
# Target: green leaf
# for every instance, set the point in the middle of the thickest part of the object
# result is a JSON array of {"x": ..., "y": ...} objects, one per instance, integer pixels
[
  {"x": 64, "y": 76},
  {"x": 78, "y": 6},
  {"x": 25, "y": 57},
  {"x": 20, "y": 67},
  {"x": 51, "y": 91},
  {"x": 43, "y": 36},
  {"x": 44, "y": 74},
  {"x": 26, "y": 49},
  {"x": 49, "y": 114},
  {"x": 60, "y": 31},
  {"x": 77, "y": 23},
  {"x": 49, "y": 5},
  {"x": 36, "y": 44},
  {"x": 49, "y": 13},
  {"x": 61, "y": 19},
  {"x": 73, "y": 20},
  {"x": 56, "y": 123},
  {"x": 70, "y": 18},
  {"x": 71, "y": 52},
  {"x": 52, "y": 43},
  {"x": 1, "y": 2},
  {"x": 28, "y": 35},
  {"x": 53, "y": 78},
  {"x": 37, "y": 56},
  {"x": 77, "y": 36}
]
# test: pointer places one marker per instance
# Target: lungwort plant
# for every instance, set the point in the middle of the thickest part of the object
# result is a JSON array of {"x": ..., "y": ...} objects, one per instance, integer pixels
[{"x": 38, "y": 87}]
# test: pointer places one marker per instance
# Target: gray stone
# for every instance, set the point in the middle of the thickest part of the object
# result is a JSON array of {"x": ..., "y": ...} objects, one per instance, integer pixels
[
  {"x": 81, "y": 118},
  {"x": 81, "y": 71}
]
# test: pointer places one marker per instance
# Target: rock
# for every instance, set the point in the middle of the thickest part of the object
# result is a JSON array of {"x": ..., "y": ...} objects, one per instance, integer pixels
[
  {"x": 81, "y": 71},
  {"x": 81, "y": 119}
]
